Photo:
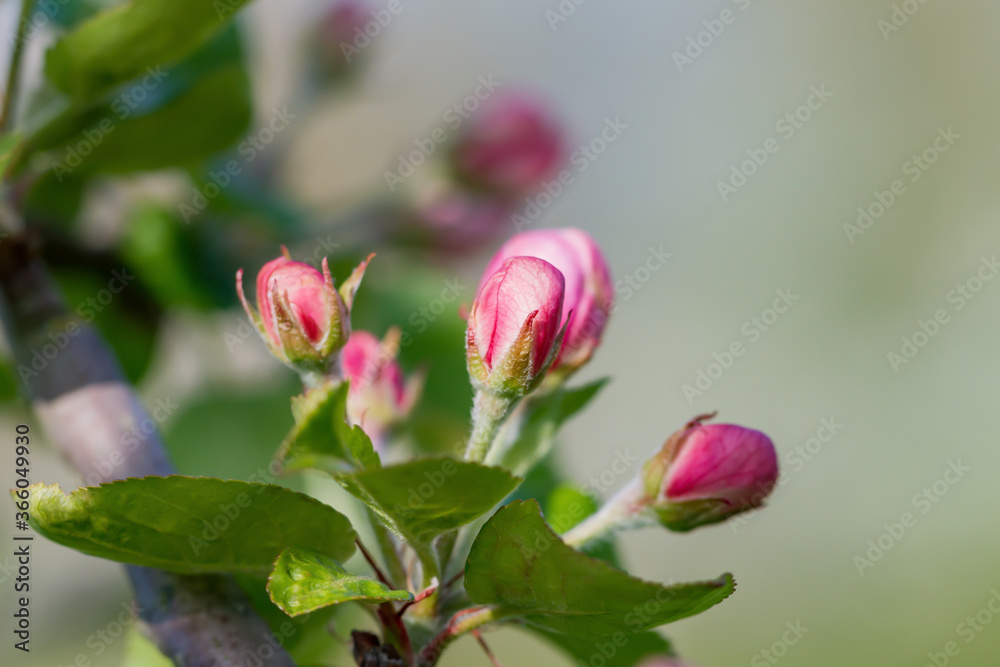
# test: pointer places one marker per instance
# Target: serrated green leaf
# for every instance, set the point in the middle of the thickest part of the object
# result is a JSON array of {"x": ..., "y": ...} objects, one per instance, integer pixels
[
  {"x": 423, "y": 499},
  {"x": 321, "y": 438},
  {"x": 303, "y": 581},
  {"x": 121, "y": 43},
  {"x": 518, "y": 564},
  {"x": 537, "y": 425},
  {"x": 189, "y": 524}
]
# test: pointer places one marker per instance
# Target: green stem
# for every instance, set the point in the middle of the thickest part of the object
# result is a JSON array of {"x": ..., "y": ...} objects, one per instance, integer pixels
[
  {"x": 489, "y": 411},
  {"x": 14, "y": 71},
  {"x": 397, "y": 573},
  {"x": 613, "y": 515}
]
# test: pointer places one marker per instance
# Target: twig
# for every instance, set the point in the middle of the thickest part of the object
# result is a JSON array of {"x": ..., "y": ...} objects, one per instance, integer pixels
[
  {"x": 462, "y": 622},
  {"x": 486, "y": 649},
  {"x": 87, "y": 409},
  {"x": 14, "y": 69},
  {"x": 451, "y": 582},
  {"x": 422, "y": 595},
  {"x": 371, "y": 562}
]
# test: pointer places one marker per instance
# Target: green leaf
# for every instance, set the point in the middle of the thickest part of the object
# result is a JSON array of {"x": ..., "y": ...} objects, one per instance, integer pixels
[
  {"x": 126, "y": 41},
  {"x": 189, "y": 524},
  {"x": 539, "y": 421},
  {"x": 623, "y": 649},
  {"x": 8, "y": 145},
  {"x": 304, "y": 581},
  {"x": 423, "y": 499},
  {"x": 321, "y": 438},
  {"x": 520, "y": 565}
]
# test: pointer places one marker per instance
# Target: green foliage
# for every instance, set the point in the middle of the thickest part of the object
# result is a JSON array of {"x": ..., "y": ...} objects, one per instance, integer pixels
[
  {"x": 627, "y": 647},
  {"x": 422, "y": 499},
  {"x": 539, "y": 421},
  {"x": 8, "y": 144},
  {"x": 520, "y": 565},
  {"x": 122, "y": 43},
  {"x": 189, "y": 524},
  {"x": 303, "y": 581},
  {"x": 321, "y": 438}
]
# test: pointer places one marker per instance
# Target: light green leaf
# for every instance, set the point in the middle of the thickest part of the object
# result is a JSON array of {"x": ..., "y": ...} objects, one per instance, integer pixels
[
  {"x": 537, "y": 423},
  {"x": 128, "y": 40},
  {"x": 321, "y": 438},
  {"x": 189, "y": 524},
  {"x": 8, "y": 144},
  {"x": 518, "y": 564},
  {"x": 423, "y": 499},
  {"x": 303, "y": 581}
]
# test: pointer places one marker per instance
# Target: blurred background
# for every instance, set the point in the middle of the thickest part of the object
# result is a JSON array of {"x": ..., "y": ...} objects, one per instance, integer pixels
[{"x": 719, "y": 152}]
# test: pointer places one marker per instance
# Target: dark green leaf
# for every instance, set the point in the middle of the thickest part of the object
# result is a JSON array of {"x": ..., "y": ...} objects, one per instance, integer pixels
[
  {"x": 8, "y": 144},
  {"x": 304, "y": 581},
  {"x": 622, "y": 649},
  {"x": 423, "y": 499},
  {"x": 189, "y": 524},
  {"x": 520, "y": 565},
  {"x": 539, "y": 420},
  {"x": 321, "y": 438},
  {"x": 125, "y": 42}
]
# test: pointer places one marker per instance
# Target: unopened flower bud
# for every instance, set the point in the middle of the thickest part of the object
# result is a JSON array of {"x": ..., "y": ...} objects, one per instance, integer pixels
[
  {"x": 338, "y": 31},
  {"x": 510, "y": 147},
  {"x": 589, "y": 290},
  {"x": 303, "y": 318},
  {"x": 514, "y": 326},
  {"x": 706, "y": 473},
  {"x": 379, "y": 397}
]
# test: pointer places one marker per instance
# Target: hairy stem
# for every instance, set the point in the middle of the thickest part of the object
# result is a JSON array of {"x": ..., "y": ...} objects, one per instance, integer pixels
[
  {"x": 489, "y": 411},
  {"x": 620, "y": 510},
  {"x": 89, "y": 412}
]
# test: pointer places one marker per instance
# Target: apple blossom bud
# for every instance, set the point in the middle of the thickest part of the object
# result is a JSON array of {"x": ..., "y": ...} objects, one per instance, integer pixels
[
  {"x": 379, "y": 397},
  {"x": 510, "y": 147},
  {"x": 303, "y": 318},
  {"x": 706, "y": 473},
  {"x": 589, "y": 290},
  {"x": 338, "y": 31},
  {"x": 514, "y": 326}
]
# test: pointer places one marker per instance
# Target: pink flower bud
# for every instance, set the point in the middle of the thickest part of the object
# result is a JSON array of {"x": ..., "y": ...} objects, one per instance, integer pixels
[
  {"x": 706, "y": 473},
  {"x": 512, "y": 146},
  {"x": 339, "y": 28},
  {"x": 589, "y": 290},
  {"x": 379, "y": 396},
  {"x": 514, "y": 326},
  {"x": 303, "y": 318}
]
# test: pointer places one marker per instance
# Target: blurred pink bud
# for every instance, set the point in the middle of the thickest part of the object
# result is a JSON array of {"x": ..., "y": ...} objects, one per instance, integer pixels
[
  {"x": 339, "y": 29},
  {"x": 514, "y": 326},
  {"x": 379, "y": 396},
  {"x": 589, "y": 290},
  {"x": 706, "y": 473},
  {"x": 460, "y": 219},
  {"x": 511, "y": 146},
  {"x": 303, "y": 318}
]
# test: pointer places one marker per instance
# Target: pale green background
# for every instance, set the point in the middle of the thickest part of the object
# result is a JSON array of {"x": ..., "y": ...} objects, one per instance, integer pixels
[{"x": 827, "y": 357}]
